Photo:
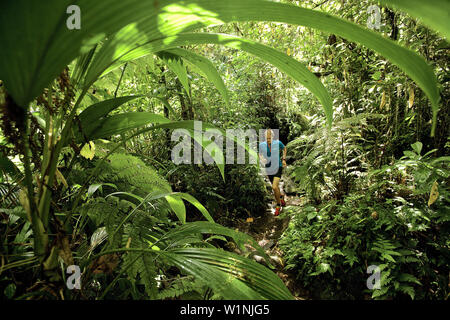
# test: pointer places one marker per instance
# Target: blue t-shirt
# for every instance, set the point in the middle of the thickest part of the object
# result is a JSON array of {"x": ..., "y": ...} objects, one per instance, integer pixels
[{"x": 276, "y": 147}]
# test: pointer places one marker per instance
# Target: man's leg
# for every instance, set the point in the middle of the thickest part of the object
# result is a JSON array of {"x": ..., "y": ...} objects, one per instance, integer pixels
[
  {"x": 276, "y": 190},
  {"x": 282, "y": 194}
]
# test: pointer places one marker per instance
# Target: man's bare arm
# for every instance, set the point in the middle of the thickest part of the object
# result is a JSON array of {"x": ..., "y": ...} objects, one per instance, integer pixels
[{"x": 262, "y": 159}]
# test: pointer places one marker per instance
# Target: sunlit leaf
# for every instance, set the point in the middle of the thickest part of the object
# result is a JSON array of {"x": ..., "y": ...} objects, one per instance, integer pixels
[
  {"x": 204, "y": 66},
  {"x": 88, "y": 151},
  {"x": 175, "y": 64},
  {"x": 417, "y": 147},
  {"x": 434, "y": 194},
  {"x": 235, "y": 277},
  {"x": 411, "y": 98},
  {"x": 46, "y": 50},
  {"x": 383, "y": 100},
  {"x": 288, "y": 65},
  {"x": 177, "y": 206}
]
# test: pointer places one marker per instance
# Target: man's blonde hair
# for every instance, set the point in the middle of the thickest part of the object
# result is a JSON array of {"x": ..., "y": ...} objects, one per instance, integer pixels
[{"x": 271, "y": 133}]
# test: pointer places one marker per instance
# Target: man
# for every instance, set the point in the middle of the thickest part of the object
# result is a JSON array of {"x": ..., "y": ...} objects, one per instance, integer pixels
[{"x": 269, "y": 153}]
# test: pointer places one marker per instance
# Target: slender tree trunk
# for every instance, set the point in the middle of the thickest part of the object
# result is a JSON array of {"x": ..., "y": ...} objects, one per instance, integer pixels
[
  {"x": 186, "y": 105},
  {"x": 166, "y": 114}
]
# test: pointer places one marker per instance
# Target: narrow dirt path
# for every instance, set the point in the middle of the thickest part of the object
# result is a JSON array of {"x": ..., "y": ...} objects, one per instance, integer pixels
[{"x": 267, "y": 230}]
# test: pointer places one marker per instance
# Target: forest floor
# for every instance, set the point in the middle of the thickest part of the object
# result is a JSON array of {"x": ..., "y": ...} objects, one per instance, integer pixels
[{"x": 267, "y": 230}]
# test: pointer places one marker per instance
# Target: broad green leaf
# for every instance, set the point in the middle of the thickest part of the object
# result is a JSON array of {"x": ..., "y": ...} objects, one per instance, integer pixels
[
  {"x": 417, "y": 147},
  {"x": 189, "y": 16},
  {"x": 221, "y": 281},
  {"x": 177, "y": 206},
  {"x": 197, "y": 204},
  {"x": 132, "y": 195},
  {"x": 10, "y": 290},
  {"x": 120, "y": 123},
  {"x": 235, "y": 277},
  {"x": 175, "y": 63},
  {"x": 45, "y": 50},
  {"x": 434, "y": 13},
  {"x": 8, "y": 167},
  {"x": 81, "y": 67},
  {"x": 96, "y": 111},
  {"x": 205, "y": 66},
  {"x": 290, "y": 66},
  {"x": 98, "y": 237},
  {"x": 94, "y": 187},
  {"x": 37, "y": 50},
  {"x": 434, "y": 193},
  {"x": 410, "y": 154},
  {"x": 213, "y": 150}
]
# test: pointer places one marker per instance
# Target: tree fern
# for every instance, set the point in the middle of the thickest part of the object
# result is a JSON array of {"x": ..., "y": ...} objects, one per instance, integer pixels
[
  {"x": 186, "y": 286},
  {"x": 144, "y": 266},
  {"x": 131, "y": 174}
]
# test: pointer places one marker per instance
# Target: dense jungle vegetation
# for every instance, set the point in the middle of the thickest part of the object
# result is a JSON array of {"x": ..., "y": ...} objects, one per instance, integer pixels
[{"x": 89, "y": 100}]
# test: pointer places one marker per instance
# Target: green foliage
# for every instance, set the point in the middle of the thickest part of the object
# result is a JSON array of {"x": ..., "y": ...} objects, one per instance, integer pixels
[
  {"x": 185, "y": 288},
  {"x": 8, "y": 167},
  {"x": 205, "y": 67},
  {"x": 113, "y": 215},
  {"x": 146, "y": 229},
  {"x": 432, "y": 13},
  {"x": 243, "y": 278},
  {"x": 243, "y": 194},
  {"x": 331, "y": 161},
  {"x": 388, "y": 224},
  {"x": 131, "y": 174},
  {"x": 96, "y": 28}
]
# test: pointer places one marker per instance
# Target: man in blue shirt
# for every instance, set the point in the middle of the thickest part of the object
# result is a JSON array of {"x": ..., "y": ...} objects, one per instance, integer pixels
[{"x": 269, "y": 153}]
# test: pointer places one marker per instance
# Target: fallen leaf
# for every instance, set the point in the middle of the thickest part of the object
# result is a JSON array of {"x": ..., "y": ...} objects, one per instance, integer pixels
[
  {"x": 383, "y": 100},
  {"x": 411, "y": 97},
  {"x": 434, "y": 194}
]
